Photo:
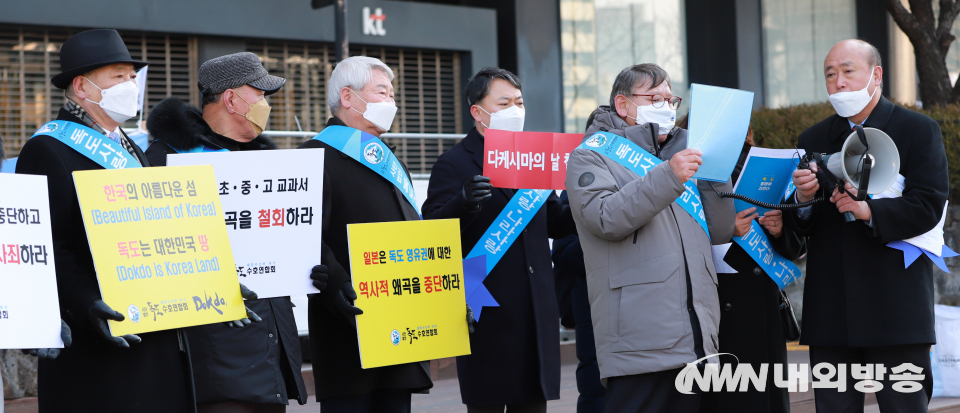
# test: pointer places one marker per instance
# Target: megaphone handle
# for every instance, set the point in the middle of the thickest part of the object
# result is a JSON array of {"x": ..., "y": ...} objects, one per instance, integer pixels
[{"x": 849, "y": 217}]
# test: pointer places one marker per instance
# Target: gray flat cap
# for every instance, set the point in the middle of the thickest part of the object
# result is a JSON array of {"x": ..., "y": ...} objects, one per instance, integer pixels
[{"x": 235, "y": 70}]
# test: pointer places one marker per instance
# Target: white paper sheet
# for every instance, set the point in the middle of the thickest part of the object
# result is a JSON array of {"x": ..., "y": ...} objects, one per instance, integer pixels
[
  {"x": 29, "y": 307},
  {"x": 931, "y": 240},
  {"x": 894, "y": 191},
  {"x": 274, "y": 253},
  {"x": 719, "y": 251}
]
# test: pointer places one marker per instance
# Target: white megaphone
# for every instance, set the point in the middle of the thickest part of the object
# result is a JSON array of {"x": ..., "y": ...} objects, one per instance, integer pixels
[{"x": 869, "y": 162}]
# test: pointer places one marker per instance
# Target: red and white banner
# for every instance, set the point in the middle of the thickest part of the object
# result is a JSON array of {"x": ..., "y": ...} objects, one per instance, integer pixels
[{"x": 528, "y": 160}]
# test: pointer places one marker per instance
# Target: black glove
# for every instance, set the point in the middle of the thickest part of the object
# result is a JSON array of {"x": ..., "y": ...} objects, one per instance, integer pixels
[
  {"x": 51, "y": 353},
  {"x": 343, "y": 301},
  {"x": 470, "y": 320},
  {"x": 319, "y": 276},
  {"x": 475, "y": 191},
  {"x": 247, "y": 294},
  {"x": 98, "y": 314}
]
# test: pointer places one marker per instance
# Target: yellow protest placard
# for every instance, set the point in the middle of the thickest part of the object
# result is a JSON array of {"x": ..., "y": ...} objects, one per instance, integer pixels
[
  {"x": 160, "y": 247},
  {"x": 409, "y": 282}
]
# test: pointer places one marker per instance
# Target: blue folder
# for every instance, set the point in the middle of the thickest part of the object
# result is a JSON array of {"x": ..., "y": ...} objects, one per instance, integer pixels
[
  {"x": 719, "y": 118},
  {"x": 765, "y": 177}
]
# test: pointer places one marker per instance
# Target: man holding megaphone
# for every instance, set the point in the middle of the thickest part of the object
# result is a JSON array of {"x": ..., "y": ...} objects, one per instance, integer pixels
[{"x": 861, "y": 306}]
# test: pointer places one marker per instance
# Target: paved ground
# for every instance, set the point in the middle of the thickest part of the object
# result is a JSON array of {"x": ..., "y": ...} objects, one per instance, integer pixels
[{"x": 445, "y": 397}]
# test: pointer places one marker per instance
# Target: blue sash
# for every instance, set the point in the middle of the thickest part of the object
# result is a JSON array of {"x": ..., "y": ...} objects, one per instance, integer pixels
[
  {"x": 638, "y": 160},
  {"x": 200, "y": 148},
  {"x": 495, "y": 242},
  {"x": 371, "y": 152},
  {"x": 781, "y": 270},
  {"x": 90, "y": 143}
]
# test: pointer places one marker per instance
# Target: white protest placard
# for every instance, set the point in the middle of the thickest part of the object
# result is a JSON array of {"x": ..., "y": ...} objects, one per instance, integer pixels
[
  {"x": 272, "y": 204},
  {"x": 29, "y": 307}
]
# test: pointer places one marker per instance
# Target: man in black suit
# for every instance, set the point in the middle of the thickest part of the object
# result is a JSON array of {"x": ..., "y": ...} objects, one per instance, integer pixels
[
  {"x": 861, "y": 305},
  {"x": 515, "y": 349},
  {"x": 99, "y": 372},
  {"x": 360, "y": 96}
]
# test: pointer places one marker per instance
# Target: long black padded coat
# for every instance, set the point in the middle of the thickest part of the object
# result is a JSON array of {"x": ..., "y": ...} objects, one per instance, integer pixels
[
  {"x": 751, "y": 327},
  {"x": 515, "y": 350},
  {"x": 259, "y": 363},
  {"x": 93, "y": 375},
  {"x": 352, "y": 194},
  {"x": 857, "y": 292}
]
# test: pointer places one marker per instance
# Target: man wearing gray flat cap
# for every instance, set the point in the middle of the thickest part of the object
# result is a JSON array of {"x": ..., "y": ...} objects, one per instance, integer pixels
[{"x": 257, "y": 368}]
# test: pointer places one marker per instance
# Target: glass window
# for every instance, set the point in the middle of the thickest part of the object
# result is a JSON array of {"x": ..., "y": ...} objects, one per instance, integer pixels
[
  {"x": 797, "y": 35},
  {"x": 602, "y": 37}
]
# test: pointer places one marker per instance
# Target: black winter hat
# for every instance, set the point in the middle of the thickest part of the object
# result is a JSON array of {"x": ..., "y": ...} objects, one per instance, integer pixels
[{"x": 89, "y": 50}]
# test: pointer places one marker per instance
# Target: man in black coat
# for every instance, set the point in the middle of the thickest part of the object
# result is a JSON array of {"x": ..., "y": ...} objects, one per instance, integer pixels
[
  {"x": 257, "y": 368},
  {"x": 360, "y": 96},
  {"x": 515, "y": 350},
  {"x": 571, "y": 272},
  {"x": 751, "y": 325},
  {"x": 98, "y": 372},
  {"x": 860, "y": 304}
]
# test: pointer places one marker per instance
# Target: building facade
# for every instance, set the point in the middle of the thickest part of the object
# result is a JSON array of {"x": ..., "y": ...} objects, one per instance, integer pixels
[
  {"x": 432, "y": 49},
  {"x": 566, "y": 52},
  {"x": 774, "y": 48}
]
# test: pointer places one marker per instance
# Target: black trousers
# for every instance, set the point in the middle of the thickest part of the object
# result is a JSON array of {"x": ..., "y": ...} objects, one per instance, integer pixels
[
  {"x": 650, "y": 393},
  {"x": 240, "y": 407},
  {"x": 529, "y": 407},
  {"x": 377, "y": 401},
  {"x": 889, "y": 399},
  {"x": 588, "y": 371}
]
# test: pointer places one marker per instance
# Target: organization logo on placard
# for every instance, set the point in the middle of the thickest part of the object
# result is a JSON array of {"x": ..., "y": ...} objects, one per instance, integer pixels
[
  {"x": 373, "y": 23},
  {"x": 597, "y": 140},
  {"x": 373, "y": 153},
  {"x": 395, "y": 337},
  {"x": 133, "y": 313},
  {"x": 50, "y": 127}
]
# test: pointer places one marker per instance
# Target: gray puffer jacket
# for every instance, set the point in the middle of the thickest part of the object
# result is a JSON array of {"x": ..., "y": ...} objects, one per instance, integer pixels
[{"x": 639, "y": 245}]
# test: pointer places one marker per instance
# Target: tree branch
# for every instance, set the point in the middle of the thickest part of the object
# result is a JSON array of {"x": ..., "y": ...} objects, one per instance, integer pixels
[
  {"x": 922, "y": 10},
  {"x": 948, "y": 13},
  {"x": 904, "y": 19}
]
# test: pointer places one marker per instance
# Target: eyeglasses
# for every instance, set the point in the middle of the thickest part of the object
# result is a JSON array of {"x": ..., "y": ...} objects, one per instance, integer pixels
[{"x": 658, "y": 100}]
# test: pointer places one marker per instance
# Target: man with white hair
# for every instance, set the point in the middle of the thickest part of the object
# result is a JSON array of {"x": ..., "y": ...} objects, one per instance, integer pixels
[{"x": 360, "y": 96}]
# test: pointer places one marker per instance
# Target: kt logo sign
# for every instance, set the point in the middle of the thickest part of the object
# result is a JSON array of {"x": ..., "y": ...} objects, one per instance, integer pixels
[{"x": 373, "y": 23}]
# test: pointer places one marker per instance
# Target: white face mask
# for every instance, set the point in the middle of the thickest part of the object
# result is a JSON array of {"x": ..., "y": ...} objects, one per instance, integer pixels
[
  {"x": 119, "y": 101},
  {"x": 664, "y": 117},
  {"x": 509, "y": 119},
  {"x": 848, "y": 104},
  {"x": 379, "y": 113}
]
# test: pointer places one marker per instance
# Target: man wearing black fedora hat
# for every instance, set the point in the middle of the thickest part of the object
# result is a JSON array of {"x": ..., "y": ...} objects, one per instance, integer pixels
[{"x": 98, "y": 372}]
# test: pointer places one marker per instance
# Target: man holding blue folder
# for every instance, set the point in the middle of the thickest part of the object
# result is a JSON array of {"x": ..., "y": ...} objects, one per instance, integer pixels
[{"x": 646, "y": 230}]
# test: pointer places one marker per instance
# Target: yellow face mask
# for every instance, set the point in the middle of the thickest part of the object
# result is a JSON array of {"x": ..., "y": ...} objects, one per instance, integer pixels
[{"x": 258, "y": 114}]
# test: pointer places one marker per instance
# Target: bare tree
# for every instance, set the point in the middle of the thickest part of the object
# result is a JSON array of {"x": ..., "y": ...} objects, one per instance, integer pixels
[{"x": 931, "y": 38}]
